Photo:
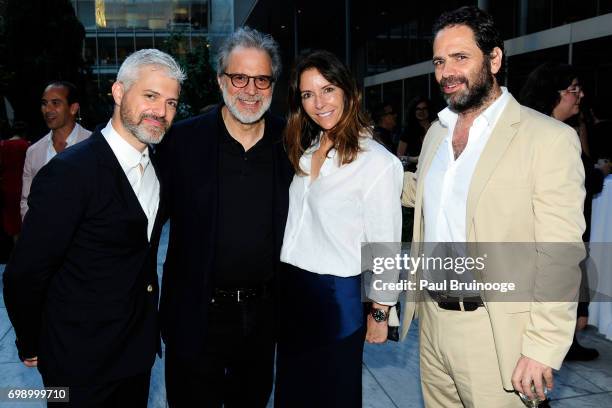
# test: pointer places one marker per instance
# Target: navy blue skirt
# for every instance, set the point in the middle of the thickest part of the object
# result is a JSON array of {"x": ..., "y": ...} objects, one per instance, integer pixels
[{"x": 320, "y": 345}]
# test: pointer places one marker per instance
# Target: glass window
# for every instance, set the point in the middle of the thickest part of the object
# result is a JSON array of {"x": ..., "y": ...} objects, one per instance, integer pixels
[
  {"x": 125, "y": 46},
  {"x": 414, "y": 87},
  {"x": 86, "y": 12},
  {"x": 519, "y": 66},
  {"x": 199, "y": 14},
  {"x": 106, "y": 50},
  {"x": 144, "y": 40},
  {"x": 373, "y": 96},
  {"x": 569, "y": 11},
  {"x": 604, "y": 6},
  {"x": 89, "y": 50},
  {"x": 535, "y": 15},
  {"x": 140, "y": 14},
  {"x": 392, "y": 94},
  {"x": 594, "y": 67}
]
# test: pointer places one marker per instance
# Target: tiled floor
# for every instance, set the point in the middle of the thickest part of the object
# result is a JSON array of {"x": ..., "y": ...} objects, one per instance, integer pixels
[{"x": 390, "y": 372}]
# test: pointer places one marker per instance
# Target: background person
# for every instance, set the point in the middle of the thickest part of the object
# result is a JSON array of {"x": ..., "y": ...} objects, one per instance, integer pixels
[
  {"x": 385, "y": 120},
  {"x": 420, "y": 116},
  {"x": 12, "y": 156},
  {"x": 346, "y": 191},
  {"x": 554, "y": 89},
  {"x": 60, "y": 107}
]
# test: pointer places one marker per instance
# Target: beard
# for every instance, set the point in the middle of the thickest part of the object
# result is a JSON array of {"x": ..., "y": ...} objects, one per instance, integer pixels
[
  {"x": 245, "y": 117},
  {"x": 144, "y": 133},
  {"x": 475, "y": 94}
]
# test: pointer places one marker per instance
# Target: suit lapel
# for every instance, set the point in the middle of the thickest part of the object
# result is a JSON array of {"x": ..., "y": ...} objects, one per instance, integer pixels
[
  {"x": 500, "y": 139},
  {"x": 123, "y": 188},
  {"x": 160, "y": 216}
]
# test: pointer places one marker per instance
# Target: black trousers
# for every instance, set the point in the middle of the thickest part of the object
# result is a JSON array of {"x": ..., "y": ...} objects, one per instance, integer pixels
[
  {"x": 238, "y": 366},
  {"x": 126, "y": 392}
]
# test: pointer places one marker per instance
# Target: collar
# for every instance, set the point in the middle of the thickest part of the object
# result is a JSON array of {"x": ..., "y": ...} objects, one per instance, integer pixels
[
  {"x": 71, "y": 139},
  {"x": 226, "y": 137},
  {"x": 448, "y": 118},
  {"x": 127, "y": 155}
]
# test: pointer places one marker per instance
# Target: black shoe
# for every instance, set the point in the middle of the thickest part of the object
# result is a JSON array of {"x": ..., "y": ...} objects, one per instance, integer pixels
[{"x": 579, "y": 353}]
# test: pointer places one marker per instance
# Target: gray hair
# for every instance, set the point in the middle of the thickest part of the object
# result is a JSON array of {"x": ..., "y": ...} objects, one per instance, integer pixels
[
  {"x": 129, "y": 70},
  {"x": 247, "y": 37}
]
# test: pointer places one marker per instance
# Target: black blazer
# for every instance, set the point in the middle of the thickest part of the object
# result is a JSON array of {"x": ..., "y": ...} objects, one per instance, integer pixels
[
  {"x": 77, "y": 285},
  {"x": 189, "y": 161}
]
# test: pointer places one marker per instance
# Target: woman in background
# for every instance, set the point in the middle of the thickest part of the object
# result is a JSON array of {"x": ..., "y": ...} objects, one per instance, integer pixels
[
  {"x": 346, "y": 191},
  {"x": 418, "y": 121},
  {"x": 12, "y": 156},
  {"x": 554, "y": 89}
]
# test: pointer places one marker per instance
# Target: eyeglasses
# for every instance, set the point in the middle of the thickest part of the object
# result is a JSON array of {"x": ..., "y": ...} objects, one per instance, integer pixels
[
  {"x": 241, "y": 80},
  {"x": 576, "y": 89}
]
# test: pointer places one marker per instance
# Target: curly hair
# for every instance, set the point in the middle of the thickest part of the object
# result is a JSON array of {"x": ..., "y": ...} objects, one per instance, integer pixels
[
  {"x": 541, "y": 90},
  {"x": 302, "y": 132}
]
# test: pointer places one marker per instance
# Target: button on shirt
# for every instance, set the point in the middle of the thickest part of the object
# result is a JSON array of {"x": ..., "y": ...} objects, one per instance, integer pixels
[
  {"x": 139, "y": 172},
  {"x": 447, "y": 182},
  {"x": 346, "y": 205}
]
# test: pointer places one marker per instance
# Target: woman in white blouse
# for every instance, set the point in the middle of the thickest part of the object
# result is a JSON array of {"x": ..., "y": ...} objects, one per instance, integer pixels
[{"x": 346, "y": 191}]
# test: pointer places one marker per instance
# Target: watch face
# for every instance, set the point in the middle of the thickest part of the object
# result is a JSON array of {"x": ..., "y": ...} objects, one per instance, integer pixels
[{"x": 379, "y": 315}]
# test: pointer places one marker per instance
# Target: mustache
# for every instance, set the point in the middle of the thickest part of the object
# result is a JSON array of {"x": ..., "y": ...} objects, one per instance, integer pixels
[
  {"x": 160, "y": 119},
  {"x": 249, "y": 98},
  {"x": 453, "y": 80}
]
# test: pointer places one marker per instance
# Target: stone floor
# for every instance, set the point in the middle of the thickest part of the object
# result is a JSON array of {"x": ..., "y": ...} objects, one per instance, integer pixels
[{"x": 390, "y": 372}]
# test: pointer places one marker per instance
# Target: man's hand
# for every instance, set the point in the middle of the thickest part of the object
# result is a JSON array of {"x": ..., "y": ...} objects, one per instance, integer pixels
[
  {"x": 377, "y": 332},
  {"x": 581, "y": 322},
  {"x": 31, "y": 362},
  {"x": 529, "y": 371}
]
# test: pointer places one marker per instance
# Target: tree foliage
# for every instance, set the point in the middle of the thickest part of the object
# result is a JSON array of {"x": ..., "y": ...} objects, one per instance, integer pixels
[
  {"x": 41, "y": 41},
  {"x": 200, "y": 89}
]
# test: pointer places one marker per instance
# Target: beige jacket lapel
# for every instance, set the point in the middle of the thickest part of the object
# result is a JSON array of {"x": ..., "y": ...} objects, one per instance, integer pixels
[{"x": 500, "y": 139}]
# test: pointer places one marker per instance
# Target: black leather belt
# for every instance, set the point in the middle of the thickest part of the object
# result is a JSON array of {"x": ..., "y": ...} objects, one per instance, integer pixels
[
  {"x": 446, "y": 302},
  {"x": 238, "y": 295}
]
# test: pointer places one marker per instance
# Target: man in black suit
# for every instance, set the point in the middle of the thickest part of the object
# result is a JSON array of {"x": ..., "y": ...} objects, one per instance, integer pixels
[
  {"x": 81, "y": 287},
  {"x": 228, "y": 184}
]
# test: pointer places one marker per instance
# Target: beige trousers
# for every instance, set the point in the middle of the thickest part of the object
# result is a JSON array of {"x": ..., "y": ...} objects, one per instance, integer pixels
[{"x": 459, "y": 365}]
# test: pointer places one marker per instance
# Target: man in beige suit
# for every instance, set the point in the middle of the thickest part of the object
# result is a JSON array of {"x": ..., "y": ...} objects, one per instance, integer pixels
[
  {"x": 493, "y": 171},
  {"x": 59, "y": 106}
]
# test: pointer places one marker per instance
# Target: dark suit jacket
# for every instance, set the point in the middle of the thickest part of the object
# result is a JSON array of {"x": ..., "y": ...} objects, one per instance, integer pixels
[
  {"x": 76, "y": 287},
  {"x": 190, "y": 157}
]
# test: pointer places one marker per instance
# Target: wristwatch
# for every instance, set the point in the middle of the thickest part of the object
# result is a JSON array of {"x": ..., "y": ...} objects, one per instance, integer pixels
[{"x": 378, "y": 315}]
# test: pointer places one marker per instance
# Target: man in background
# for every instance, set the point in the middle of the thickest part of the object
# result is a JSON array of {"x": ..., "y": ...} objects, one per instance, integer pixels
[{"x": 60, "y": 107}]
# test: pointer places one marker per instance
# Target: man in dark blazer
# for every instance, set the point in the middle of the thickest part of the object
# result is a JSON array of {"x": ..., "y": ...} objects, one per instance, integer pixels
[
  {"x": 228, "y": 179},
  {"x": 81, "y": 287}
]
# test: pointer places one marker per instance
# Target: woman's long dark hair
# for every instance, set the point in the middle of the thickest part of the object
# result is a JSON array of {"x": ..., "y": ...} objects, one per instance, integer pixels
[
  {"x": 302, "y": 132},
  {"x": 541, "y": 90}
]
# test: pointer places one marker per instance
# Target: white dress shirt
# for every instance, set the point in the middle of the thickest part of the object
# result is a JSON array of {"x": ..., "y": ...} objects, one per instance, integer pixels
[
  {"x": 346, "y": 205},
  {"x": 70, "y": 140},
  {"x": 447, "y": 182},
  {"x": 139, "y": 172}
]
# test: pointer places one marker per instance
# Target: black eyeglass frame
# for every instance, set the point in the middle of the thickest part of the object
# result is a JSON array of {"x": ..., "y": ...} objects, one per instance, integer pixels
[{"x": 270, "y": 80}]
